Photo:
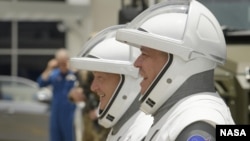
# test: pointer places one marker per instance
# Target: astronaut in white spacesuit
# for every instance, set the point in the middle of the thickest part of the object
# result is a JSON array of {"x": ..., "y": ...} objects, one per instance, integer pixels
[
  {"x": 181, "y": 44},
  {"x": 117, "y": 83}
]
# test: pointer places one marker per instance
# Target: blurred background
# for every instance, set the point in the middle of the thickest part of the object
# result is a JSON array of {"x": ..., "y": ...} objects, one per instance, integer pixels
[{"x": 32, "y": 30}]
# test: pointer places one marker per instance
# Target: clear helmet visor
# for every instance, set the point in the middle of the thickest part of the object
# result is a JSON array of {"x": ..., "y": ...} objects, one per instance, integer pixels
[
  {"x": 103, "y": 53},
  {"x": 160, "y": 27},
  {"x": 175, "y": 6},
  {"x": 183, "y": 28}
]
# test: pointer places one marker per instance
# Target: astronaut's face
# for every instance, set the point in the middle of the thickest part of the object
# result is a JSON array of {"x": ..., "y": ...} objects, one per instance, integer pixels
[
  {"x": 150, "y": 63},
  {"x": 63, "y": 64},
  {"x": 104, "y": 85}
]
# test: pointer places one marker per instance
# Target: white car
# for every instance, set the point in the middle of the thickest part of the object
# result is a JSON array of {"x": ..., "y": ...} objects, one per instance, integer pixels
[{"x": 24, "y": 110}]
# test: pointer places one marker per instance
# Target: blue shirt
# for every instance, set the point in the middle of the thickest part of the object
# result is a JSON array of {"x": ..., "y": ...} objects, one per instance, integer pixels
[{"x": 61, "y": 84}]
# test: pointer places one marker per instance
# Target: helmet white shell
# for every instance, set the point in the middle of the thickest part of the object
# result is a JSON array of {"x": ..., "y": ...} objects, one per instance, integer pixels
[
  {"x": 103, "y": 53},
  {"x": 186, "y": 30}
]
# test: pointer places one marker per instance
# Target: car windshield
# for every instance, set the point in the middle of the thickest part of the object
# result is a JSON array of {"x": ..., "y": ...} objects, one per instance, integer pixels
[{"x": 17, "y": 89}]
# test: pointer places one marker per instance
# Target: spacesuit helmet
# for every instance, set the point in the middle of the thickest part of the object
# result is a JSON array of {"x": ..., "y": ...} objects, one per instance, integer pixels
[
  {"x": 102, "y": 53},
  {"x": 188, "y": 32}
]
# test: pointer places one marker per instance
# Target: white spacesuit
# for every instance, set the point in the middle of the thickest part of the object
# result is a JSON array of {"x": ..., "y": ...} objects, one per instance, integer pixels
[
  {"x": 103, "y": 53},
  {"x": 182, "y": 98}
]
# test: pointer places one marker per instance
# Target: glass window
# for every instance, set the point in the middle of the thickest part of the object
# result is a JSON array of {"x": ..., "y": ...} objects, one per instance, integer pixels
[
  {"x": 5, "y": 34},
  {"x": 234, "y": 18},
  {"x": 31, "y": 66},
  {"x": 40, "y": 35},
  {"x": 5, "y": 61},
  {"x": 230, "y": 13}
]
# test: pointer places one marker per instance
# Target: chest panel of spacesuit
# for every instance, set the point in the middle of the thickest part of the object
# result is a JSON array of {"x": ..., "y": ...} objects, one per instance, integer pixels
[{"x": 199, "y": 107}]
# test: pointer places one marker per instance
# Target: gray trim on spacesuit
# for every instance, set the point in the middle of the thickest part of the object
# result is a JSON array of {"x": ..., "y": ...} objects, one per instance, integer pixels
[
  {"x": 103, "y": 114},
  {"x": 201, "y": 82},
  {"x": 134, "y": 107}
]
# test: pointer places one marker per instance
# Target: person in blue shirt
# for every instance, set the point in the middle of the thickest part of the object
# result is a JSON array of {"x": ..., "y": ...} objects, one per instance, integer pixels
[{"x": 62, "y": 79}]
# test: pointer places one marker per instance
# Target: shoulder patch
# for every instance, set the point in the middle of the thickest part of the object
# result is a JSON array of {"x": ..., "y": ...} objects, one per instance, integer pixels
[{"x": 197, "y": 138}]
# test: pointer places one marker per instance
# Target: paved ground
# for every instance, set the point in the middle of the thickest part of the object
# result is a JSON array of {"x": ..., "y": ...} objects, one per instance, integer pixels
[{"x": 23, "y": 128}]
